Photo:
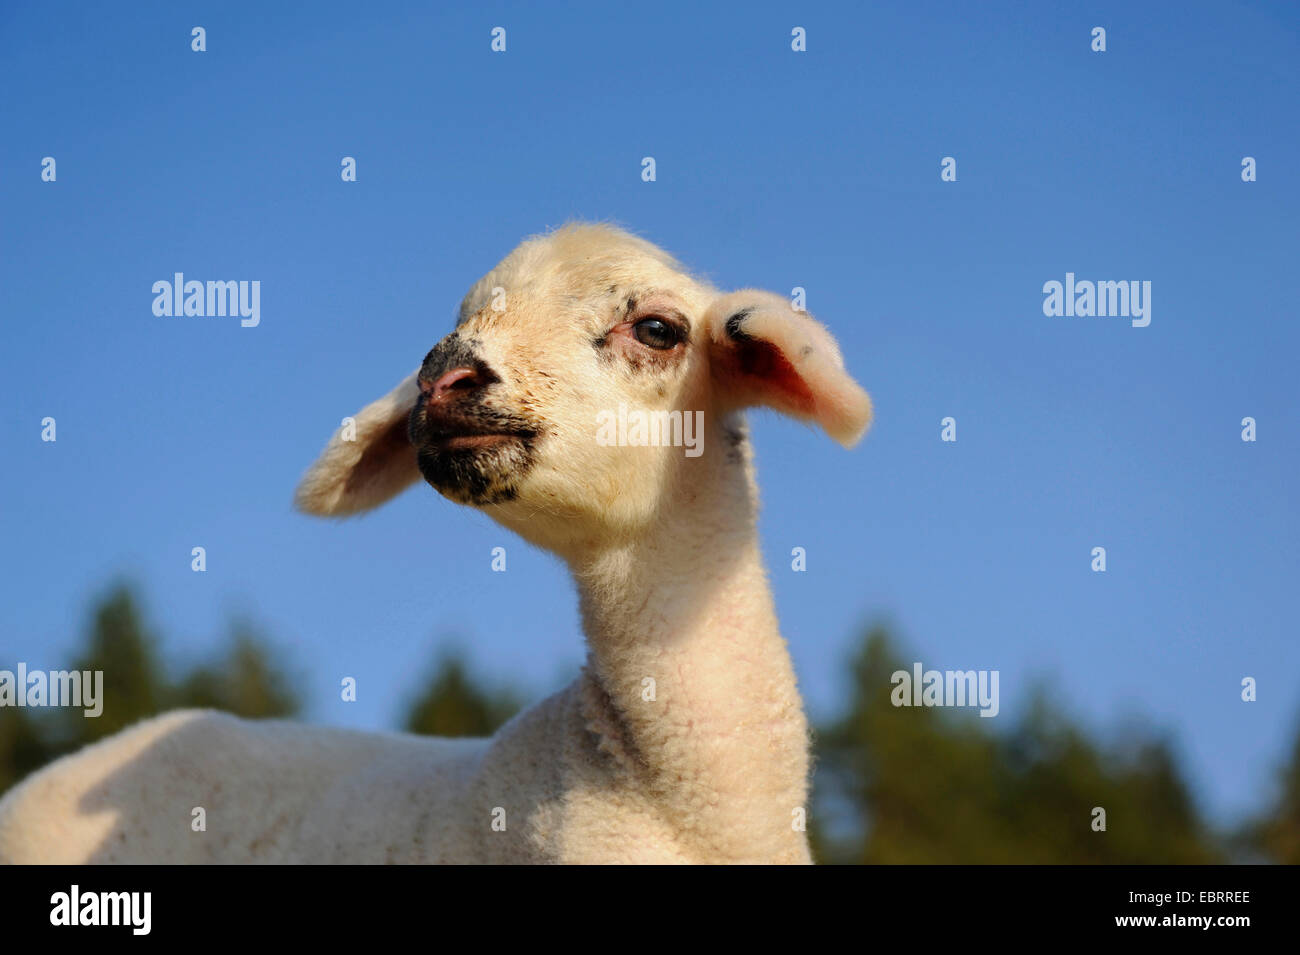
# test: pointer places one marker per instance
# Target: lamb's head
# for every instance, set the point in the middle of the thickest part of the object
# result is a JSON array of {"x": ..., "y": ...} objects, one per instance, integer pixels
[{"x": 588, "y": 373}]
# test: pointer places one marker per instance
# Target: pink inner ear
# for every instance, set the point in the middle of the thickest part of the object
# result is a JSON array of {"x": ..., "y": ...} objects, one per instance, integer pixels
[{"x": 759, "y": 367}]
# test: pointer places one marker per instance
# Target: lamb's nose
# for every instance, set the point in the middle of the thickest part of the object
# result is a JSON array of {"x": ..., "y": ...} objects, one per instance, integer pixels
[{"x": 456, "y": 380}]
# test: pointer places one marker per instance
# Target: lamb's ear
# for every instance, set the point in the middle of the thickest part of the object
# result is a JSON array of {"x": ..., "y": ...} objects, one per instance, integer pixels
[
  {"x": 368, "y": 461},
  {"x": 763, "y": 352}
]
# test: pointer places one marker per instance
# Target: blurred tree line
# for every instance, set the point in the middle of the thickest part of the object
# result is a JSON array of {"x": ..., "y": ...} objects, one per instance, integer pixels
[
  {"x": 892, "y": 785},
  {"x": 244, "y": 680}
]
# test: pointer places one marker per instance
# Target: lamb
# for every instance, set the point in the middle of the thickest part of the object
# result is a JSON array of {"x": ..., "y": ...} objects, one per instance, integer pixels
[{"x": 683, "y": 739}]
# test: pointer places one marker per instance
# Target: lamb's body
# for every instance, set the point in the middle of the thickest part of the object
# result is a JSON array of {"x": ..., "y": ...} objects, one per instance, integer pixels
[
  {"x": 684, "y": 739},
  {"x": 279, "y": 792},
  {"x": 271, "y": 792},
  {"x": 276, "y": 792}
]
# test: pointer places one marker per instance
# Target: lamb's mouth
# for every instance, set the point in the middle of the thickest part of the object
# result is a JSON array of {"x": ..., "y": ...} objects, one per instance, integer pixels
[
  {"x": 459, "y": 442},
  {"x": 472, "y": 461}
]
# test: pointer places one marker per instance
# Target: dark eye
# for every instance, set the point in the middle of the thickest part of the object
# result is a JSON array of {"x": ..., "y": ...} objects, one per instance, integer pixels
[{"x": 655, "y": 333}]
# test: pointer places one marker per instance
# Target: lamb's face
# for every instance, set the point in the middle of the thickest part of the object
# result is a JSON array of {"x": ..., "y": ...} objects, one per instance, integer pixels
[
  {"x": 588, "y": 382},
  {"x": 575, "y": 385}
]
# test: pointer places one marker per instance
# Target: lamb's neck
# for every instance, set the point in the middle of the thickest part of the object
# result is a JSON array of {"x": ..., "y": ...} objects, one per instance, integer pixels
[{"x": 699, "y": 691}]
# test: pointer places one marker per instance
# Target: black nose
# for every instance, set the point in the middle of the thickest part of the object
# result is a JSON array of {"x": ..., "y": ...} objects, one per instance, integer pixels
[
  {"x": 451, "y": 384},
  {"x": 451, "y": 371}
]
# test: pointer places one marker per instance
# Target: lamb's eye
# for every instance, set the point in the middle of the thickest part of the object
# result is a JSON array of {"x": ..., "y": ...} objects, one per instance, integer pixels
[{"x": 655, "y": 333}]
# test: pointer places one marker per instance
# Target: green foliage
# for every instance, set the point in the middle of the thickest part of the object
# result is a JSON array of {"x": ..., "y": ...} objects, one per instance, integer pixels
[
  {"x": 23, "y": 748},
  {"x": 1275, "y": 836},
  {"x": 244, "y": 682},
  {"x": 927, "y": 785},
  {"x": 455, "y": 705},
  {"x": 127, "y": 654}
]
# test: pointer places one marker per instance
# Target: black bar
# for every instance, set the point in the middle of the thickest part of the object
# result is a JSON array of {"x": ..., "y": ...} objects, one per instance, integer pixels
[{"x": 218, "y": 904}]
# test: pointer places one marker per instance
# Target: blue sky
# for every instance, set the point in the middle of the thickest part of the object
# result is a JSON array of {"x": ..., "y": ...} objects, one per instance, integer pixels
[{"x": 776, "y": 169}]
